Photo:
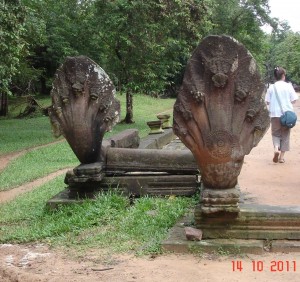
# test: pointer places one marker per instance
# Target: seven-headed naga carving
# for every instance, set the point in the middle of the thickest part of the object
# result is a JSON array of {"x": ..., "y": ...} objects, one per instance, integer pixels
[{"x": 220, "y": 116}]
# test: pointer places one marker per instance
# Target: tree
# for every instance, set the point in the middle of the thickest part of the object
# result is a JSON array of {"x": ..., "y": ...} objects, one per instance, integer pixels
[
  {"x": 287, "y": 54},
  {"x": 243, "y": 21},
  {"x": 148, "y": 42},
  {"x": 12, "y": 15},
  {"x": 51, "y": 36}
]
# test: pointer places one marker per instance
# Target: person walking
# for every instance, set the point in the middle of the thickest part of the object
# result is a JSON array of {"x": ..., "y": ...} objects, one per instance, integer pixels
[{"x": 287, "y": 96}]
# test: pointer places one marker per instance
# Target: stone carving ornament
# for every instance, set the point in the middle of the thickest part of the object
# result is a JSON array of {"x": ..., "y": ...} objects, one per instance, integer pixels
[
  {"x": 84, "y": 106},
  {"x": 220, "y": 114}
]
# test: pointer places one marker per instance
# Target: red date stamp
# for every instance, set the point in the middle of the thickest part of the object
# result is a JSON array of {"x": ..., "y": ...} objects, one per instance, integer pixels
[{"x": 273, "y": 266}]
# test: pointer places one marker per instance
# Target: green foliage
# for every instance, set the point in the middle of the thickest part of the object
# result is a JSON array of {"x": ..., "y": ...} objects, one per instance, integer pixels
[
  {"x": 51, "y": 35},
  {"x": 26, "y": 80},
  {"x": 148, "y": 42},
  {"x": 243, "y": 21},
  {"x": 287, "y": 54},
  {"x": 11, "y": 43},
  {"x": 142, "y": 45},
  {"x": 283, "y": 50},
  {"x": 109, "y": 222}
]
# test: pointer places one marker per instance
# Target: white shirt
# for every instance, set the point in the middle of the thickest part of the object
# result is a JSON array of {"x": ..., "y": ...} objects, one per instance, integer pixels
[{"x": 286, "y": 95}]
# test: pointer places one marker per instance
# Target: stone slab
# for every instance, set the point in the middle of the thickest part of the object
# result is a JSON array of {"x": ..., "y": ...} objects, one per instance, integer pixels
[
  {"x": 152, "y": 184},
  {"x": 133, "y": 184},
  {"x": 157, "y": 141},
  {"x": 288, "y": 246},
  {"x": 177, "y": 242},
  {"x": 143, "y": 160},
  {"x": 128, "y": 138},
  {"x": 253, "y": 222},
  {"x": 88, "y": 169},
  {"x": 63, "y": 198}
]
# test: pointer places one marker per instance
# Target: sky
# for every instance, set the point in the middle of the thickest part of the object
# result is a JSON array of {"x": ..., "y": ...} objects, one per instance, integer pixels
[{"x": 286, "y": 10}]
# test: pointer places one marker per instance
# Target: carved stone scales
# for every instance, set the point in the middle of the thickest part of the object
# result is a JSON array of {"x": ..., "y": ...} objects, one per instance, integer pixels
[
  {"x": 220, "y": 116},
  {"x": 84, "y": 107}
]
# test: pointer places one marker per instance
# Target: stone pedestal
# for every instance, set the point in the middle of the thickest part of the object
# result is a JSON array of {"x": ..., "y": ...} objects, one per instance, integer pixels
[
  {"x": 219, "y": 201},
  {"x": 155, "y": 126},
  {"x": 85, "y": 176},
  {"x": 166, "y": 120}
]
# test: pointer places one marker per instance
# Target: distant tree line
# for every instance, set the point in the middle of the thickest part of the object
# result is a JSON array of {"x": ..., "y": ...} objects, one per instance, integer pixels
[{"x": 142, "y": 45}]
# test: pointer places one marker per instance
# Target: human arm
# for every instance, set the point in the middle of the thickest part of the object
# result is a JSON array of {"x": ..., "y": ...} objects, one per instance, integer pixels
[
  {"x": 293, "y": 95},
  {"x": 268, "y": 95}
]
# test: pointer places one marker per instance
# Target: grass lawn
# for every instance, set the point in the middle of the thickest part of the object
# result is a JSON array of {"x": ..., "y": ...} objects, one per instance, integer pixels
[
  {"x": 36, "y": 164},
  {"x": 19, "y": 134},
  {"x": 110, "y": 222}
]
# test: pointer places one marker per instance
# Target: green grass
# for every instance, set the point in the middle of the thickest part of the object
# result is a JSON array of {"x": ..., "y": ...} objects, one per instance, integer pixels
[
  {"x": 17, "y": 105},
  {"x": 109, "y": 222},
  {"x": 19, "y": 134},
  {"x": 145, "y": 108},
  {"x": 37, "y": 163}
]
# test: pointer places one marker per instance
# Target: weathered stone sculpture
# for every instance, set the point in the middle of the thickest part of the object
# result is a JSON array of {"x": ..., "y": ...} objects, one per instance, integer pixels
[
  {"x": 220, "y": 116},
  {"x": 84, "y": 107}
]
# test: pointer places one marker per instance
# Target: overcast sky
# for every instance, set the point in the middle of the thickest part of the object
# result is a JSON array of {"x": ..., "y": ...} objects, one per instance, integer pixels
[{"x": 286, "y": 10}]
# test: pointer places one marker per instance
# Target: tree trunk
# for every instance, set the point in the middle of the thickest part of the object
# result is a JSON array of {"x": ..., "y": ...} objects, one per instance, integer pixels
[
  {"x": 3, "y": 104},
  {"x": 129, "y": 108},
  {"x": 43, "y": 85}
]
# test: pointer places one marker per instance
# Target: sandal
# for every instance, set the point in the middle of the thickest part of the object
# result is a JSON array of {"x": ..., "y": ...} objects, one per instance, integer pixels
[
  {"x": 276, "y": 156},
  {"x": 281, "y": 161}
]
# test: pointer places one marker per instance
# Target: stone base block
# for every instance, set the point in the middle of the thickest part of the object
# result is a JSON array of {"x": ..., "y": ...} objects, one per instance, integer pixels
[
  {"x": 215, "y": 202},
  {"x": 177, "y": 242},
  {"x": 133, "y": 184},
  {"x": 253, "y": 222}
]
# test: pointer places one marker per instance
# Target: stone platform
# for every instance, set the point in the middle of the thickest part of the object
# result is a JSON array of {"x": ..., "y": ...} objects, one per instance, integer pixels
[
  {"x": 159, "y": 166},
  {"x": 254, "y": 221},
  {"x": 136, "y": 185},
  {"x": 237, "y": 238}
]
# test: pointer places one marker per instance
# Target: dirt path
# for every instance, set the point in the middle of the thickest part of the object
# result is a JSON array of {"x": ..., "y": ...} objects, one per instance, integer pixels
[
  {"x": 37, "y": 263},
  {"x": 273, "y": 183},
  {"x": 7, "y": 158},
  {"x": 9, "y": 195}
]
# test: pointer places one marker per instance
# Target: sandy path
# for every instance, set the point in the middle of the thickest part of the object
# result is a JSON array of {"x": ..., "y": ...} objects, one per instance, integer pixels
[
  {"x": 9, "y": 195},
  {"x": 37, "y": 263},
  {"x": 273, "y": 183},
  {"x": 7, "y": 158}
]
